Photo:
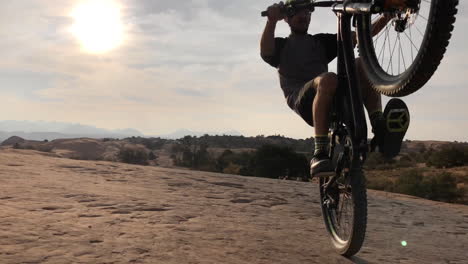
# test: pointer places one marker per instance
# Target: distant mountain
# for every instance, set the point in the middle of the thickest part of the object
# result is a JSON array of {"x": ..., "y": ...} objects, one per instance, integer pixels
[
  {"x": 185, "y": 132},
  {"x": 41, "y": 130}
]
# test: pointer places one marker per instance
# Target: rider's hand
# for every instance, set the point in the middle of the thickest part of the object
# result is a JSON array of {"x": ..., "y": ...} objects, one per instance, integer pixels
[{"x": 274, "y": 12}]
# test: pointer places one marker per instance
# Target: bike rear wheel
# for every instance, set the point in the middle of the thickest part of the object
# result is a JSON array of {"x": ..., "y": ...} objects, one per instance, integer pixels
[{"x": 405, "y": 55}]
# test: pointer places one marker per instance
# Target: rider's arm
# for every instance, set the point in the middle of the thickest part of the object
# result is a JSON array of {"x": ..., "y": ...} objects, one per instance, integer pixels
[{"x": 267, "y": 43}]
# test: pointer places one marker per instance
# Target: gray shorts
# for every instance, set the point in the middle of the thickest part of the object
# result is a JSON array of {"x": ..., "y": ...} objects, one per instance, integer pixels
[{"x": 302, "y": 100}]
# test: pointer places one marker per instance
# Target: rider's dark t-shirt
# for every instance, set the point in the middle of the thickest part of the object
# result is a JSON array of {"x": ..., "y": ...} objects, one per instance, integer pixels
[{"x": 301, "y": 58}]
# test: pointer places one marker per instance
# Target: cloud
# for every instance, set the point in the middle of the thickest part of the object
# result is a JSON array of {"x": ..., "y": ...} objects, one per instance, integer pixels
[{"x": 185, "y": 64}]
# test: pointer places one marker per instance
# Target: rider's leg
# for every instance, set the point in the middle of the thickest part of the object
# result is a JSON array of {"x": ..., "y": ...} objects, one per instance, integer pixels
[
  {"x": 325, "y": 87},
  {"x": 372, "y": 100}
]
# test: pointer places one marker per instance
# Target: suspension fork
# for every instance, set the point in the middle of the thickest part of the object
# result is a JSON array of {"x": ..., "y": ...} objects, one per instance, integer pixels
[{"x": 348, "y": 84}]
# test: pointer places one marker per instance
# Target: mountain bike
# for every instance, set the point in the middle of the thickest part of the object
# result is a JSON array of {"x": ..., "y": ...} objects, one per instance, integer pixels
[{"x": 397, "y": 62}]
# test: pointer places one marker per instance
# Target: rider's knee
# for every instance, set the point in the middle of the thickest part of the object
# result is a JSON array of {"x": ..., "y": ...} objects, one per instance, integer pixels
[{"x": 327, "y": 83}]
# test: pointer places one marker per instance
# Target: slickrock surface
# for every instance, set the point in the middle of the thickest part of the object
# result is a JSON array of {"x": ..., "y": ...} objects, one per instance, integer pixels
[{"x": 55, "y": 210}]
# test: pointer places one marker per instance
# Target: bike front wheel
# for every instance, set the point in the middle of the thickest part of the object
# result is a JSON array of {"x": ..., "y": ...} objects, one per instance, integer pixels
[
  {"x": 344, "y": 209},
  {"x": 405, "y": 54}
]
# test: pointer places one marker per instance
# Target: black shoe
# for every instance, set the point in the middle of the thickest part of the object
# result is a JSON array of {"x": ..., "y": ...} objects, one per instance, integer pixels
[
  {"x": 321, "y": 166},
  {"x": 390, "y": 131}
]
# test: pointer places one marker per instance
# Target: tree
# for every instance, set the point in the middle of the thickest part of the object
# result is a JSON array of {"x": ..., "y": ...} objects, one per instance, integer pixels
[
  {"x": 273, "y": 161},
  {"x": 133, "y": 155}
]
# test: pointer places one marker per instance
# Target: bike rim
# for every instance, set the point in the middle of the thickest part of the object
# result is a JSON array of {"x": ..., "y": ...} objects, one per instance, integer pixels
[
  {"x": 340, "y": 220},
  {"x": 397, "y": 46}
]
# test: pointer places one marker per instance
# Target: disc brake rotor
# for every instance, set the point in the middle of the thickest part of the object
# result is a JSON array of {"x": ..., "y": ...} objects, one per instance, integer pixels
[{"x": 405, "y": 15}]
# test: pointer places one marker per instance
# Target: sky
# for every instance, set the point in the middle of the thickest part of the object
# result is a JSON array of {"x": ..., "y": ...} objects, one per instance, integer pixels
[{"x": 180, "y": 64}]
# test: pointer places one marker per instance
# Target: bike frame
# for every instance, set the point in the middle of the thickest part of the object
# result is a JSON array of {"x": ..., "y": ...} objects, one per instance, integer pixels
[
  {"x": 348, "y": 117},
  {"x": 349, "y": 107},
  {"x": 349, "y": 94}
]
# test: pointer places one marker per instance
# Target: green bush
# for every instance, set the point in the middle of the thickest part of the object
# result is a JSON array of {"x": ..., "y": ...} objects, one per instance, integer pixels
[
  {"x": 45, "y": 148},
  {"x": 443, "y": 187},
  {"x": 438, "y": 187},
  {"x": 152, "y": 156},
  {"x": 448, "y": 157},
  {"x": 133, "y": 155},
  {"x": 411, "y": 183},
  {"x": 273, "y": 161},
  {"x": 378, "y": 182},
  {"x": 244, "y": 161},
  {"x": 376, "y": 161}
]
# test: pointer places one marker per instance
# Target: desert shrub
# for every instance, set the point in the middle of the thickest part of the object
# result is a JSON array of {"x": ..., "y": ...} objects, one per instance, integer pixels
[
  {"x": 443, "y": 187},
  {"x": 133, "y": 155},
  {"x": 232, "y": 169},
  {"x": 379, "y": 182},
  {"x": 25, "y": 146},
  {"x": 193, "y": 155},
  {"x": 417, "y": 157},
  {"x": 149, "y": 143},
  {"x": 243, "y": 160},
  {"x": 411, "y": 182},
  {"x": 438, "y": 187},
  {"x": 448, "y": 157},
  {"x": 45, "y": 148},
  {"x": 376, "y": 161},
  {"x": 152, "y": 156}
]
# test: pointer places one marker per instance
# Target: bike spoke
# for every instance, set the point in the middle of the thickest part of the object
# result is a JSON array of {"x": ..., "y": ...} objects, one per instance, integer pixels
[
  {"x": 416, "y": 48},
  {"x": 399, "y": 53},
  {"x": 382, "y": 52},
  {"x": 419, "y": 15},
  {"x": 375, "y": 18},
  {"x": 402, "y": 56},
  {"x": 381, "y": 33},
  {"x": 391, "y": 51},
  {"x": 417, "y": 28},
  {"x": 411, "y": 46}
]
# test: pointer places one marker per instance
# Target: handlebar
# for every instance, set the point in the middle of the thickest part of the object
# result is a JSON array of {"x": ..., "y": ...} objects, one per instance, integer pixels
[
  {"x": 307, "y": 4},
  {"x": 337, "y": 6}
]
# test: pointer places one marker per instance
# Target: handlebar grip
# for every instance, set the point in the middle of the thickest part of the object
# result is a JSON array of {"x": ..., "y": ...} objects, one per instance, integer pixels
[{"x": 264, "y": 13}]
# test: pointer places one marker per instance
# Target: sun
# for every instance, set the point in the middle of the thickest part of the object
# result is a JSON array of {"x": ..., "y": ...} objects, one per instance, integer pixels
[{"x": 97, "y": 25}]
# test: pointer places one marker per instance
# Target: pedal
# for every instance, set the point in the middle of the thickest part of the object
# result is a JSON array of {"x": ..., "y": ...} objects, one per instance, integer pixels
[{"x": 397, "y": 118}]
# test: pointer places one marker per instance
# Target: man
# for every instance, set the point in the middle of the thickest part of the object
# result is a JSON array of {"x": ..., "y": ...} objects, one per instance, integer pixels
[{"x": 302, "y": 62}]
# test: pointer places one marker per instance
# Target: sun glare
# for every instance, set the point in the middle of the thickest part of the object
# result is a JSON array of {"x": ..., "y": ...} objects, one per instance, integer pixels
[{"x": 97, "y": 25}]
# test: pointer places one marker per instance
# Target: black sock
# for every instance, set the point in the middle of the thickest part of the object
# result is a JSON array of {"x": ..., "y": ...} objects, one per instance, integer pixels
[{"x": 321, "y": 144}]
